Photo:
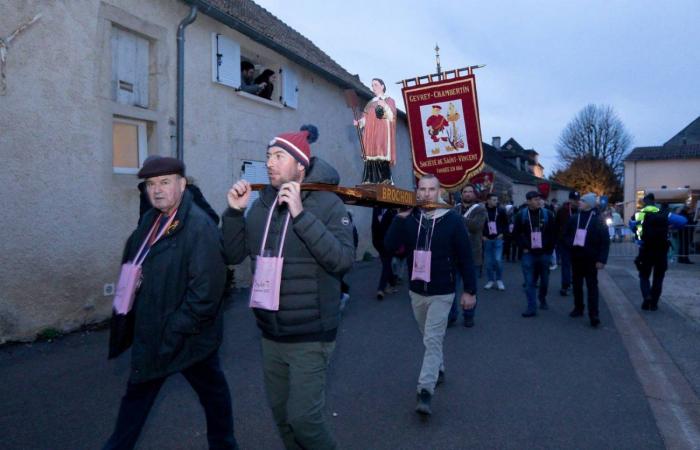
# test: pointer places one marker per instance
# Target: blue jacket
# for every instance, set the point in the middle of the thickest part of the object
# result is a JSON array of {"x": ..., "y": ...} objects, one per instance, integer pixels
[{"x": 450, "y": 251}]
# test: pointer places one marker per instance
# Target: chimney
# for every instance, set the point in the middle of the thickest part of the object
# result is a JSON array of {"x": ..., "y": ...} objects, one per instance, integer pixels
[{"x": 496, "y": 142}]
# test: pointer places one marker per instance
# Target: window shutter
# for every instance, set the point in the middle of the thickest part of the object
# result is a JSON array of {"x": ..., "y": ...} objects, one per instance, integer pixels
[
  {"x": 129, "y": 68},
  {"x": 290, "y": 88},
  {"x": 227, "y": 61}
]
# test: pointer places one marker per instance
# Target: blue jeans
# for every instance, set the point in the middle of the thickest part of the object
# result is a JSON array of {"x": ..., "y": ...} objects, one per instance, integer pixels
[
  {"x": 493, "y": 259},
  {"x": 564, "y": 254},
  {"x": 536, "y": 265},
  {"x": 459, "y": 288}
]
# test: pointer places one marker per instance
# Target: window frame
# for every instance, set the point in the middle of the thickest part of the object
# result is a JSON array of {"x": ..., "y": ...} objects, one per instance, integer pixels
[{"x": 142, "y": 144}]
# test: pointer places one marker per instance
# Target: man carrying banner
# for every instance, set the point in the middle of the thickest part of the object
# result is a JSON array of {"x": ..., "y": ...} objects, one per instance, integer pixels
[
  {"x": 535, "y": 231},
  {"x": 176, "y": 321},
  {"x": 300, "y": 323},
  {"x": 436, "y": 243},
  {"x": 474, "y": 216}
]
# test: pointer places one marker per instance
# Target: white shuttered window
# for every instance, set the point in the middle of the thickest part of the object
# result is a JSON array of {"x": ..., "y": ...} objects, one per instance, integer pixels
[{"x": 129, "y": 68}]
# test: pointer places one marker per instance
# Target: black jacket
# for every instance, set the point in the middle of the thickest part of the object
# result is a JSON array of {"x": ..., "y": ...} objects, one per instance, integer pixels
[
  {"x": 498, "y": 215},
  {"x": 177, "y": 313},
  {"x": 597, "y": 243},
  {"x": 380, "y": 227},
  {"x": 542, "y": 220},
  {"x": 450, "y": 251},
  {"x": 318, "y": 250}
]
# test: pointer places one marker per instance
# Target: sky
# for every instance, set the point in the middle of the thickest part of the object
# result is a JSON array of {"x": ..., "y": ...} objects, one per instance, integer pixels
[{"x": 545, "y": 60}]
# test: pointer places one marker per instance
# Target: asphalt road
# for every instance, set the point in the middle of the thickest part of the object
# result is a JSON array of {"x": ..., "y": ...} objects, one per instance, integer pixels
[{"x": 546, "y": 382}]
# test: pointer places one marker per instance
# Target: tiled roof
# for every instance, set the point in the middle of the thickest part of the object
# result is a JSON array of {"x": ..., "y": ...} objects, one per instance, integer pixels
[
  {"x": 691, "y": 151},
  {"x": 688, "y": 135},
  {"x": 261, "y": 26},
  {"x": 494, "y": 160}
]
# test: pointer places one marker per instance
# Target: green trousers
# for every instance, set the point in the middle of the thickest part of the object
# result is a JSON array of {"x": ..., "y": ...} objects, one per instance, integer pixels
[{"x": 295, "y": 383}]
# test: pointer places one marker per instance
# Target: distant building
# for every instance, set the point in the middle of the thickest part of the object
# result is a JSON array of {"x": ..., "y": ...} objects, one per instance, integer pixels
[
  {"x": 671, "y": 171},
  {"x": 518, "y": 171}
]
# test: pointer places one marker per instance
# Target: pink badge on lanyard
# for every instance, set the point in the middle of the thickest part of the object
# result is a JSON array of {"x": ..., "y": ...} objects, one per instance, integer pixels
[
  {"x": 265, "y": 290},
  {"x": 492, "y": 227},
  {"x": 130, "y": 274},
  {"x": 535, "y": 236},
  {"x": 580, "y": 238},
  {"x": 422, "y": 258},
  {"x": 535, "y": 239}
]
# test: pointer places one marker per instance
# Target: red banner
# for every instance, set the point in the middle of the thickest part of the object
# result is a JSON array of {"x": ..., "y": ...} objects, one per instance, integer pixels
[{"x": 443, "y": 122}]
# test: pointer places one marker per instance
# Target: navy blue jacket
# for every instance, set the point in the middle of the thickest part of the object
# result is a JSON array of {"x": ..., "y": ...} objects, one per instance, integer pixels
[
  {"x": 450, "y": 251},
  {"x": 597, "y": 243},
  {"x": 542, "y": 220}
]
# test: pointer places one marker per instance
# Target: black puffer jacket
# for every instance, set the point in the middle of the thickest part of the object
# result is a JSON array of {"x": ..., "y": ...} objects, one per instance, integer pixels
[
  {"x": 177, "y": 314},
  {"x": 318, "y": 250}
]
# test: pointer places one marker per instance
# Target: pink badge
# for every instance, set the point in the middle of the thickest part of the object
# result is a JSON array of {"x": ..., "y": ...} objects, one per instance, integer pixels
[
  {"x": 580, "y": 238},
  {"x": 492, "y": 227},
  {"x": 535, "y": 239},
  {"x": 265, "y": 290},
  {"x": 421, "y": 265},
  {"x": 128, "y": 284}
]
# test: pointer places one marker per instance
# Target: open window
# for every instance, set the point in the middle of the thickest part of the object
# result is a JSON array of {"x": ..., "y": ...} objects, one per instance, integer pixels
[{"x": 226, "y": 69}]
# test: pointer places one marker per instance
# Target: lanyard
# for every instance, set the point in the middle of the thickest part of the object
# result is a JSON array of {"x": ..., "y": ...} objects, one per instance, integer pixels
[
  {"x": 529, "y": 219},
  {"x": 429, "y": 240},
  {"x": 578, "y": 221},
  {"x": 267, "y": 230},
  {"x": 150, "y": 240}
]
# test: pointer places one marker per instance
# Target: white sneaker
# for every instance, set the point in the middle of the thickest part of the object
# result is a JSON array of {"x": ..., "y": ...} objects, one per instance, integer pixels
[
  {"x": 553, "y": 267},
  {"x": 489, "y": 285},
  {"x": 501, "y": 286},
  {"x": 344, "y": 301}
]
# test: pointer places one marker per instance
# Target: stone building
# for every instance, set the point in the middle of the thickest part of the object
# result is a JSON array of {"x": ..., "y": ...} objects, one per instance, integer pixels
[
  {"x": 518, "y": 171},
  {"x": 91, "y": 92}
]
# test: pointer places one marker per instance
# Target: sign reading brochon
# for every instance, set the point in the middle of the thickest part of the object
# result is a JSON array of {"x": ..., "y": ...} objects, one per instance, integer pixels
[{"x": 443, "y": 122}]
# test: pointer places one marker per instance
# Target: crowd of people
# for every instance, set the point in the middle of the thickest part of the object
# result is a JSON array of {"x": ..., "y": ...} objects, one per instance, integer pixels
[{"x": 168, "y": 307}]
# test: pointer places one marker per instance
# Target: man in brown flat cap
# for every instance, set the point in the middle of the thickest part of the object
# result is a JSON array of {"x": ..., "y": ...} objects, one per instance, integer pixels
[{"x": 175, "y": 322}]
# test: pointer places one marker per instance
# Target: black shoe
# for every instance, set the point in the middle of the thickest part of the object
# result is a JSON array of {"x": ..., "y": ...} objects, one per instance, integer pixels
[
  {"x": 529, "y": 314},
  {"x": 646, "y": 304},
  {"x": 595, "y": 322},
  {"x": 654, "y": 306},
  {"x": 468, "y": 322},
  {"x": 563, "y": 292},
  {"x": 441, "y": 378},
  {"x": 380, "y": 295},
  {"x": 576, "y": 313},
  {"x": 423, "y": 406},
  {"x": 544, "y": 306}
]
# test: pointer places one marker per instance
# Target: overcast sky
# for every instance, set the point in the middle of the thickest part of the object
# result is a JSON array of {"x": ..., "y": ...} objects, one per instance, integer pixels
[{"x": 545, "y": 59}]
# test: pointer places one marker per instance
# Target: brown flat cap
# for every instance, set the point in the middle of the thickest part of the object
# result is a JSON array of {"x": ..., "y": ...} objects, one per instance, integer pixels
[{"x": 157, "y": 166}]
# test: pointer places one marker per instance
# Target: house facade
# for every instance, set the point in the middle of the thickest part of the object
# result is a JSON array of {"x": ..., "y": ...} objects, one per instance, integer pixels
[
  {"x": 518, "y": 171},
  {"x": 671, "y": 171},
  {"x": 91, "y": 92}
]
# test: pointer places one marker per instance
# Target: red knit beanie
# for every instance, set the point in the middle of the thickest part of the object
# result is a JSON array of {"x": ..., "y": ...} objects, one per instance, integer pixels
[{"x": 297, "y": 143}]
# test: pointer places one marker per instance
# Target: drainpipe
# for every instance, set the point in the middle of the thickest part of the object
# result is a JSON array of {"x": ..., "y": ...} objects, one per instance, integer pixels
[{"x": 181, "y": 79}]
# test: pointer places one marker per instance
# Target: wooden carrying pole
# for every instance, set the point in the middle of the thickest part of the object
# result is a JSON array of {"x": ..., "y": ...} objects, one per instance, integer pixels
[{"x": 370, "y": 195}]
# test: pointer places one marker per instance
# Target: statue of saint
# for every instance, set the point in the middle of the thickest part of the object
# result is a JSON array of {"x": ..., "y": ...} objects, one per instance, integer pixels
[{"x": 378, "y": 124}]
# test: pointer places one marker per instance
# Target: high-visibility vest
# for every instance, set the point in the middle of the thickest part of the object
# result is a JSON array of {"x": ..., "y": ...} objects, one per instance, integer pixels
[{"x": 639, "y": 218}]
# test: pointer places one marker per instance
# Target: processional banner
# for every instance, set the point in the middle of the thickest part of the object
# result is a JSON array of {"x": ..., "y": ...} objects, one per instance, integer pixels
[{"x": 443, "y": 123}]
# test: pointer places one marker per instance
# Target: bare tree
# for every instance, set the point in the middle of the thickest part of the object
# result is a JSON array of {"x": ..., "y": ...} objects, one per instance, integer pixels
[{"x": 595, "y": 131}]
